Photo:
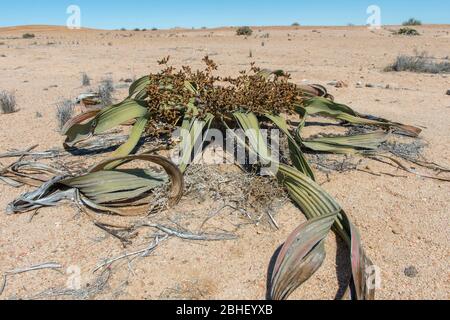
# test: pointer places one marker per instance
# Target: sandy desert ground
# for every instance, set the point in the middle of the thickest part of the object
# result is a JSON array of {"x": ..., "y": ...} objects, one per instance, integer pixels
[{"x": 404, "y": 221}]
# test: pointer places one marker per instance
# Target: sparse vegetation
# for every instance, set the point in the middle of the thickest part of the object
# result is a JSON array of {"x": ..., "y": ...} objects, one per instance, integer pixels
[
  {"x": 244, "y": 31},
  {"x": 296, "y": 24},
  {"x": 421, "y": 63},
  {"x": 7, "y": 102},
  {"x": 412, "y": 22},
  {"x": 86, "y": 81},
  {"x": 64, "y": 112},
  {"x": 407, "y": 32},
  {"x": 28, "y": 36}
]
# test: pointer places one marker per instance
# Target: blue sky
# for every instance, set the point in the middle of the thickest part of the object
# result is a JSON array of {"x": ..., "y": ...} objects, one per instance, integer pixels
[{"x": 111, "y": 14}]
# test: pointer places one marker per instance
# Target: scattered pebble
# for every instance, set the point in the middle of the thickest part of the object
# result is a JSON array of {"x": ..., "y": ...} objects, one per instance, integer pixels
[
  {"x": 338, "y": 84},
  {"x": 448, "y": 92},
  {"x": 128, "y": 80},
  {"x": 411, "y": 272}
]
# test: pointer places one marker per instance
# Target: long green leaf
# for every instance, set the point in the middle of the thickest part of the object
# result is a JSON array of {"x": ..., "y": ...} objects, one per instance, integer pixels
[
  {"x": 348, "y": 144},
  {"x": 105, "y": 120},
  {"x": 139, "y": 87},
  {"x": 193, "y": 132},
  {"x": 328, "y": 108},
  {"x": 300, "y": 257},
  {"x": 250, "y": 124},
  {"x": 128, "y": 147},
  {"x": 316, "y": 203},
  {"x": 297, "y": 157}
]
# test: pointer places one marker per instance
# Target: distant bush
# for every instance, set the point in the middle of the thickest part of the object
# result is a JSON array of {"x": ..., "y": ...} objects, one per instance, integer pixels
[
  {"x": 420, "y": 64},
  {"x": 64, "y": 112},
  {"x": 123, "y": 29},
  {"x": 412, "y": 22},
  {"x": 7, "y": 102},
  {"x": 244, "y": 31},
  {"x": 154, "y": 29},
  {"x": 137, "y": 29},
  {"x": 28, "y": 36},
  {"x": 296, "y": 24},
  {"x": 408, "y": 32}
]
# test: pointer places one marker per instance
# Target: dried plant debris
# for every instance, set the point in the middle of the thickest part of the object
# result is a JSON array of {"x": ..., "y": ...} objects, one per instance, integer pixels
[
  {"x": 327, "y": 163},
  {"x": 159, "y": 103},
  {"x": 257, "y": 199},
  {"x": 406, "y": 150}
]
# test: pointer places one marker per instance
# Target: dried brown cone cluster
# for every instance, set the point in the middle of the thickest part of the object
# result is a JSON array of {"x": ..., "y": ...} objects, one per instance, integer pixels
[{"x": 172, "y": 91}]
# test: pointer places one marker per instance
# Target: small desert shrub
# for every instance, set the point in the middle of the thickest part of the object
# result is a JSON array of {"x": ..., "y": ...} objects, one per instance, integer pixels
[
  {"x": 408, "y": 32},
  {"x": 244, "y": 31},
  {"x": 7, "y": 102},
  {"x": 28, "y": 36},
  {"x": 105, "y": 91},
  {"x": 419, "y": 64},
  {"x": 86, "y": 81},
  {"x": 123, "y": 29},
  {"x": 64, "y": 112},
  {"x": 296, "y": 24},
  {"x": 412, "y": 22},
  {"x": 154, "y": 29}
]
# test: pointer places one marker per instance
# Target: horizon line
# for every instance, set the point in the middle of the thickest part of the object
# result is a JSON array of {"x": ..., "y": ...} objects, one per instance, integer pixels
[{"x": 210, "y": 28}]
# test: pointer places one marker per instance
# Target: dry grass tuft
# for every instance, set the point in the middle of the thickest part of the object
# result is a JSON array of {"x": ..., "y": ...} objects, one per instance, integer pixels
[
  {"x": 7, "y": 102},
  {"x": 85, "y": 80},
  {"x": 105, "y": 91},
  {"x": 64, "y": 112},
  {"x": 420, "y": 63}
]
